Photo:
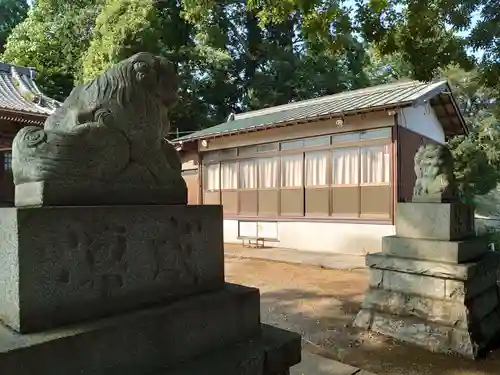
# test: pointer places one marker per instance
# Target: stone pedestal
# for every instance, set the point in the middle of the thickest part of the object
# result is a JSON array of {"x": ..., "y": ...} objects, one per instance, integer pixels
[
  {"x": 434, "y": 284},
  {"x": 128, "y": 290}
]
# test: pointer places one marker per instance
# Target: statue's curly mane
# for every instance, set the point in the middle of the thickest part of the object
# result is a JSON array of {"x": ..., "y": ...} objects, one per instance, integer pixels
[
  {"x": 436, "y": 155},
  {"x": 136, "y": 81},
  {"x": 117, "y": 83}
]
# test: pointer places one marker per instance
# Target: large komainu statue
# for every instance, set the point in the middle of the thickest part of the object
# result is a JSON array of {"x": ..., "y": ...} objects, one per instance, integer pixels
[
  {"x": 435, "y": 178},
  {"x": 106, "y": 143}
]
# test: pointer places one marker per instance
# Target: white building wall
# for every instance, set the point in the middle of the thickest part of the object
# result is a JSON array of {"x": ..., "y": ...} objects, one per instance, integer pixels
[
  {"x": 342, "y": 238},
  {"x": 422, "y": 120}
]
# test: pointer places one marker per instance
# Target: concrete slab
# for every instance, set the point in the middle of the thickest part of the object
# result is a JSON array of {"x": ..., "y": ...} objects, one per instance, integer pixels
[{"x": 315, "y": 365}]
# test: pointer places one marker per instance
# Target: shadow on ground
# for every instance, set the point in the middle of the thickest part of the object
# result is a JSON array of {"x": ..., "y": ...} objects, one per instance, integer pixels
[{"x": 321, "y": 305}]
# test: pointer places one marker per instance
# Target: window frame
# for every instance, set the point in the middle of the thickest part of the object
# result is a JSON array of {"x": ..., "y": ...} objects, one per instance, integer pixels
[
  {"x": 7, "y": 161},
  {"x": 275, "y": 151}
]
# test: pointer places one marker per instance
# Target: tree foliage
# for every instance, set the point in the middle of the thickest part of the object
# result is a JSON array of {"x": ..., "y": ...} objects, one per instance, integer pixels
[
  {"x": 12, "y": 12},
  {"x": 122, "y": 28},
  {"x": 52, "y": 39},
  {"x": 477, "y": 156}
]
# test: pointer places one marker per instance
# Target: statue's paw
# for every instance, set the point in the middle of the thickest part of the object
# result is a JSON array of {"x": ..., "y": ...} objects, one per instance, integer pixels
[{"x": 29, "y": 137}]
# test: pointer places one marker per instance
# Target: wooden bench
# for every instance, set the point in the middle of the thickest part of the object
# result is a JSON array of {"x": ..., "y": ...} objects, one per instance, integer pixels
[{"x": 255, "y": 241}]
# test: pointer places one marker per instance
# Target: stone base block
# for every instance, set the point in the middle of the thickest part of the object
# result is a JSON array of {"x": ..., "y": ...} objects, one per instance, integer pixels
[
  {"x": 441, "y": 306},
  {"x": 445, "y": 312},
  {"x": 271, "y": 354},
  {"x": 36, "y": 194},
  {"x": 469, "y": 343},
  {"x": 435, "y": 250},
  {"x": 427, "y": 285},
  {"x": 138, "y": 343},
  {"x": 62, "y": 265},
  {"x": 460, "y": 271},
  {"x": 438, "y": 221}
]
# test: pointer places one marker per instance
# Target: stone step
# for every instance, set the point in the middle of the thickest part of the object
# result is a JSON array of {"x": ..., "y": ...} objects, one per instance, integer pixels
[
  {"x": 272, "y": 353},
  {"x": 435, "y": 250},
  {"x": 431, "y": 286},
  {"x": 312, "y": 364},
  {"x": 145, "y": 340},
  {"x": 461, "y": 271}
]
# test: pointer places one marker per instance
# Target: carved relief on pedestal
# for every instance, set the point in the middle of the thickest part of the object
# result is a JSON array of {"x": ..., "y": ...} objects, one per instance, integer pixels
[
  {"x": 98, "y": 259},
  {"x": 107, "y": 260}
]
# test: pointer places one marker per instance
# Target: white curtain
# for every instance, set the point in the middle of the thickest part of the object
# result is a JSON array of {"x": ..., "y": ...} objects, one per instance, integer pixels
[
  {"x": 345, "y": 166},
  {"x": 212, "y": 174},
  {"x": 291, "y": 170},
  {"x": 248, "y": 174},
  {"x": 387, "y": 163},
  {"x": 268, "y": 173},
  {"x": 316, "y": 170},
  {"x": 375, "y": 165},
  {"x": 229, "y": 175}
]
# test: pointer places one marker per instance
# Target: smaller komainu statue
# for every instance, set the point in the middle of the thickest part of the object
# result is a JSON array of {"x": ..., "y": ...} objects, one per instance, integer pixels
[
  {"x": 435, "y": 178},
  {"x": 106, "y": 143}
]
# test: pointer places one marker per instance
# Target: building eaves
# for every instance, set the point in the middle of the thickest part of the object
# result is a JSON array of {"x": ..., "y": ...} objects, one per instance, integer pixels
[
  {"x": 395, "y": 95},
  {"x": 19, "y": 94}
]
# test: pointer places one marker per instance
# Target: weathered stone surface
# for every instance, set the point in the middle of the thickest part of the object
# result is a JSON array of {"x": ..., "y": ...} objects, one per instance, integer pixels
[
  {"x": 65, "y": 264},
  {"x": 318, "y": 365},
  {"x": 108, "y": 131},
  {"x": 447, "y": 312},
  {"x": 439, "y": 314},
  {"x": 442, "y": 311},
  {"x": 483, "y": 304},
  {"x": 461, "y": 271},
  {"x": 435, "y": 180},
  {"x": 283, "y": 350},
  {"x": 431, "y": 336},
  {"x": 53, "y": 193},
  {"x": 137, "y": 343},
  {"x": 271, "y": 354},
  {"x": 414, "y": 284},
  {"x": 438, "y": 221},
  {"x": 436, "y": 287},
  {"x": 464, "y": 290},
  {"x": 433, "y": 250},
  {"x": 242, "y": 358},
  {"x": 490, "y": 326},
  {"x": 363, "y": 319},
  {"x": 376, "y": 277}
]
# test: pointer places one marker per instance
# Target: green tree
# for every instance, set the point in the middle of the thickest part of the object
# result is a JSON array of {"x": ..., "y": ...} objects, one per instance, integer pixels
[
  {"x": 122, "y": 29},
  {"x": 485, "y": 36},
  {"x": 477, "y": 155},
  {"x": 414, "y": 29},
  {"x": 52, "y": 39},
  {"x": 12, "y": 12}
]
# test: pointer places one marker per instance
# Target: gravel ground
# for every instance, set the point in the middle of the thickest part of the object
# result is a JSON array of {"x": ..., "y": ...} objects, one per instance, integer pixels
[{"x": 321, "y": 304}]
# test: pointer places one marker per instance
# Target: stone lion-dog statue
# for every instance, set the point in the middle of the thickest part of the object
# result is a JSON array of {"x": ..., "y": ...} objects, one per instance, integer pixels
[
  {"x": 435, "y": 180},
  {"x": 108, "y": 137}
]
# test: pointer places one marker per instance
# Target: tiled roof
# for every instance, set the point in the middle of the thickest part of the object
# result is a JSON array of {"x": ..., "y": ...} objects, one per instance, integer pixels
[
  {"x": 20, "y": 94},
  {"x": 399, "y": 94}
]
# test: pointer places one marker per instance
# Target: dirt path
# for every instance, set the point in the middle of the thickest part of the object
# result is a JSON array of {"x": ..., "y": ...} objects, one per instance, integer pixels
[{"x": 321, "y": 304}]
